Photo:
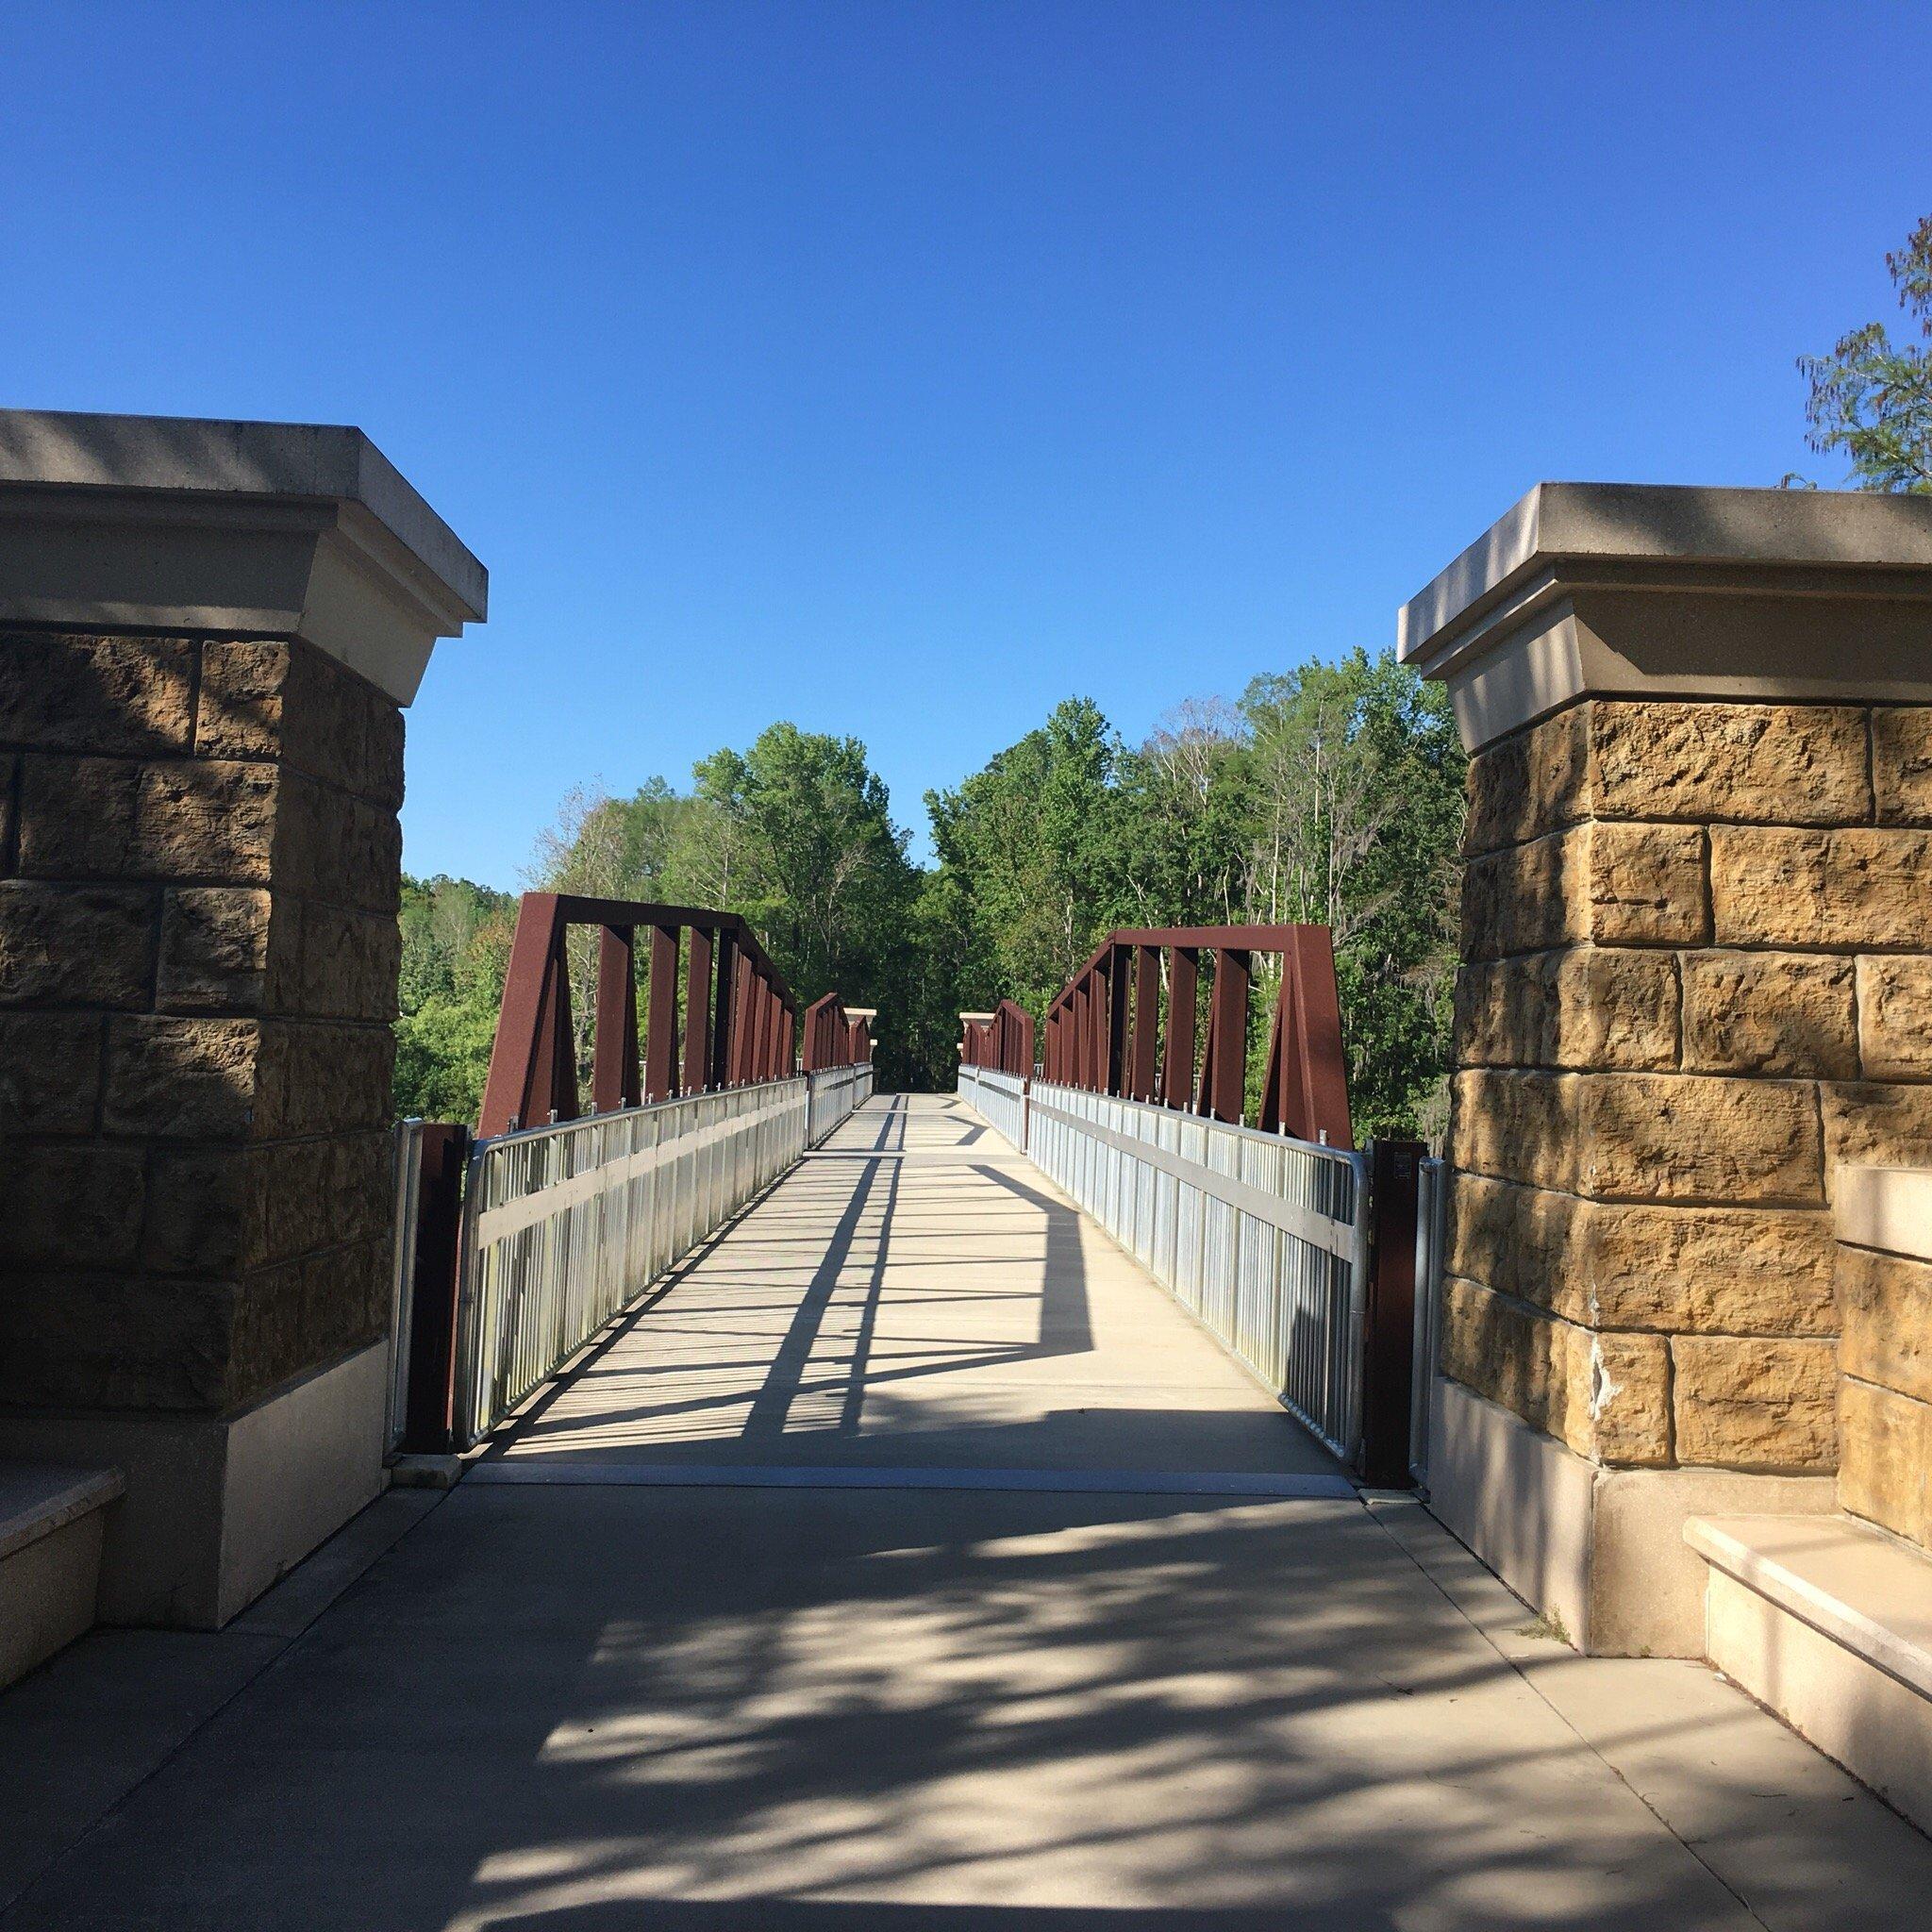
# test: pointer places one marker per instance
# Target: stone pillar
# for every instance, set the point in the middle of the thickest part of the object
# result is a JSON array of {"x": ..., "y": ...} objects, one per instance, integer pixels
[
  {"x": 206, "y": 632},
  {"x": 1696, "y": 980}
]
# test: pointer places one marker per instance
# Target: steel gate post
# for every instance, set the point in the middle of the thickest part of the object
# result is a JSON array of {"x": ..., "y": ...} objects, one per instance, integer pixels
[{"x": 1389, "y": 1323}]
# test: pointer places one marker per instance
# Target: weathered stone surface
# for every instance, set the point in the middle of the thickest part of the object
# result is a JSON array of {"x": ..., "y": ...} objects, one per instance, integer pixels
[
  {"x": 1749, "y": 1402},
  {"x": 1527, "y": 898},
  {"x": 269, "y": 1346},
  {"x": 50, "y": 1071},
  {"x": 1522, "y": 1241},
  {"x": 1873, "y": 1126},
  {"x": 75, "y": 945},
  {"x": 1902, "y": 763},
  {"x": 182, "y": 1079},
  {"x": 214, "y": 949},
  {"x": 202, "y": 1215},
  {"x": 1853, "y": 889},
  {"x": 1722, "y": 1270},
  {"x": 1884, "y": 1303},
  {"x": 1896, "y": 1017},
  {"x": 1604, "y": 1395},
  {"x": 350, "y": 964},
  {"x": 342, "y": 730},
  {"x": 1517, "y": 1127},
  {"x": 1775, "y": 764},
  {"x": 324, "y": 1077},
  {"x": 1661, "y": 1137},
  {"x": 1586, "y": 1006},
  {"x": 299, "y": 1213},
  {"x": 1740, "y": 1271},
  {"x": 104, "y": 695},
  {"x": 103, "y": 1340},
  {"x": 70, "y": 1205},
  {"x": 240, "y": 713},
  {"x": 1646, "y": 885},
  {"x": 10, "y": 772},
  {"x": 1885, "y": 1466},
  {"x": 1790, "y": 1014},
  {"x": 110, "y": 817},
  {"x": 339, "y": 849},
  {"x": 1531, "y": 783}
]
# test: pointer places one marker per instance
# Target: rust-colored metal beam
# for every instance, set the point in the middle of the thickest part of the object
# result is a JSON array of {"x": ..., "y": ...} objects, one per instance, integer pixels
[{"x": 660, "y": 1023}]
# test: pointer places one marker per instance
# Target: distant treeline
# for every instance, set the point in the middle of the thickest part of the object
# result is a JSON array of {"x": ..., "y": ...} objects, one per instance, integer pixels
[{"x": 1330, "y": 795}]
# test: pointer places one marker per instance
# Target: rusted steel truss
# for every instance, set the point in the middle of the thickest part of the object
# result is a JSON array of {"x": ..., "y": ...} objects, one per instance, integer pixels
[
  {"x": 1104, "y": 1031},
  {"x": 738, "y": 1022},
  {"x": 833, "y": 1036},
  {"x": 1001, "y": 1041}
]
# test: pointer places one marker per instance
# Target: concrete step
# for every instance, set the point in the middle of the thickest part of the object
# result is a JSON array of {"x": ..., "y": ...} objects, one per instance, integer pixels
[
  {"x": 1828, "y": 1623},
  {"x": 52, "y": 1521}
]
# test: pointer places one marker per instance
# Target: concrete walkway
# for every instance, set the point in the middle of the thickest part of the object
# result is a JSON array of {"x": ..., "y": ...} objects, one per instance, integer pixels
[{"x": 658, "y": 1663}]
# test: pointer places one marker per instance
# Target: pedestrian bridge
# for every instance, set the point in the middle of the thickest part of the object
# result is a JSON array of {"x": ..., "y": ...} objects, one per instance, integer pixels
[{"x": 908, "y": 1557}]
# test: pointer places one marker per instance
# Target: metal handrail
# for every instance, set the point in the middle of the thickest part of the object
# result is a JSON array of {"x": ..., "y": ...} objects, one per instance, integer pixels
[
  {"x": 1264, "y": 1239},
  {"x": 566, "y": 1225}
]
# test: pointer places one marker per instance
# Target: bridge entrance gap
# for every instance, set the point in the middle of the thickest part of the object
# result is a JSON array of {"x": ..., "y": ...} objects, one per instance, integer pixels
[{"x": 910, "y": 1562}]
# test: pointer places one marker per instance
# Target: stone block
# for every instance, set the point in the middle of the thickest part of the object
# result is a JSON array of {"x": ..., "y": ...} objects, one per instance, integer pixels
[
  {"x": 202, "y": 1212},
  {"x": 10, "y": 788},
  {"x": 75, "y": 945},
  {"x": 1517, "y": 1127},
  {"x": 132, "y": 695},
  {"x": 1771, "y": 764},
  {"x": 345, "y": 1294},
  {"x": 1586, "y": 1006},
  {"x": 350, "y": 964},
  {"x": 1531, "y": 783},
  {"x": 1885, "y": 1304},
  {"x": 299, "y": 1213},
  {"x": 70, "y": 1206},
  {"x": 115, "y": 1341},
  {"x": 341, "y": 730},
  {"x": 339, "y": 849},
  {"x": 1896, "y": 1017},
  {"x": 1604, "y": 1395},
  {"x": 182, "y": 1079},
  {"x": 240, "y": 710},
  {"x": 324, "y": 1078},
  {"x": 268, "y": 1341},
  {"x": 1662, "y": 1137},
  {"x": 1527, "y": 898},
  {"x": 50, "y": 1071},
  {"x": 361, "y": 1187},
  {"x": 1782, "y": 1014},
  {"x": 1740, "y": 1271},
  {"x": 1872, "y": 1125},
  {"x": 1902, "y": 764},
  {"x": 1756, "y": 1404},
  {"x": 214, "y": 949},
  {"x": 110, "y": 817},
  {"x": 1645, "y": 884},
  {"x": 1853, "y": 889},
  {"x": 1524, "y": 1242},
  {"x": 1885, "y": 1462}
]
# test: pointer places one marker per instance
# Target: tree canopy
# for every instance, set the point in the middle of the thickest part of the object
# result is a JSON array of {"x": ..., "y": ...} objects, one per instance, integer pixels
[
  {"x": 1872, "y": 398},
  {"x": 1330, "y": 795}
]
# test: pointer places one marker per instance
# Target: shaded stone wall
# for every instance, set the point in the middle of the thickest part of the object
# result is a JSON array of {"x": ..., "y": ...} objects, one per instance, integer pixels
[
  {"x": 199, "y": 858},
  {"x": 1884, "y": 1393},
  {"x": 1698, "y": 977}
]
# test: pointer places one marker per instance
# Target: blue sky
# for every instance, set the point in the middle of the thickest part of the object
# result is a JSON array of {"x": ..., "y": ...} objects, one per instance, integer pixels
[{"x": 900, "y": 370}]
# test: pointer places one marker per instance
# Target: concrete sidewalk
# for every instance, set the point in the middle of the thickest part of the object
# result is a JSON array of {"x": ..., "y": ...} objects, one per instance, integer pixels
[{"x": 586, "y": 1704}]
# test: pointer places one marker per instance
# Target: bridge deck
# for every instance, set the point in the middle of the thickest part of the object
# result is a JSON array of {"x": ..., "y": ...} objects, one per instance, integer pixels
[
  {"x": 914, "y": 1294},
  {"x": 577, "y": 1695}
]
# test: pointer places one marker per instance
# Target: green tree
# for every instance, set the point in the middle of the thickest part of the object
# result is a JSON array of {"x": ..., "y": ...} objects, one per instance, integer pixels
[
  {"x": 1873, "y": 399},
  {"x": 454, "y": 949}
]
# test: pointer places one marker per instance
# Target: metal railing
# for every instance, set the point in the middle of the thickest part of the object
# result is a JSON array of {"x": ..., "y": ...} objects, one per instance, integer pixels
[
  {"x": 1264, "y": 1239},
  {"x": 565, "y": 1226},
  {"x": 835, "y": 1094},
  {"x": 999, "y": 1099},
  {"x": 1431, "y": 1241},
  {"x": 408, "y": 1176}
]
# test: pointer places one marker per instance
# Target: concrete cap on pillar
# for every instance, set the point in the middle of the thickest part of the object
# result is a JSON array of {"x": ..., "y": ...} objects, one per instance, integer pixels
[
  {"x": 266, "y": 529},
  {"x": 1663, "y": 590}
]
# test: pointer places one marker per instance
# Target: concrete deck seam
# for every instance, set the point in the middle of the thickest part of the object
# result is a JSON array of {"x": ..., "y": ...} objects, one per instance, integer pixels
[{"x": 1529, "y": 1682}]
